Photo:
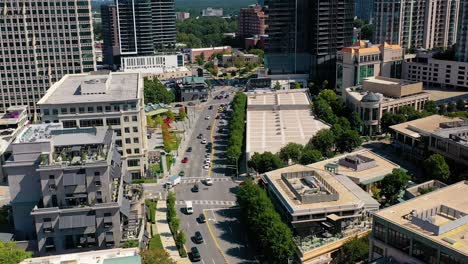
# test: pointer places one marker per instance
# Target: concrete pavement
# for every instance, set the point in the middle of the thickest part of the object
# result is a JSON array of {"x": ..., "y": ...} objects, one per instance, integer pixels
[{"x": 162, "y": 228}]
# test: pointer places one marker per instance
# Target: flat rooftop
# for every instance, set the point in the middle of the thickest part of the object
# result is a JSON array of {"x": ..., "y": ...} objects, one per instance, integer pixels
[
  {"x": 349, "y": 195},
  {"x": 358, "y": 93},
  {"x": 92, "y": 88},
  {"x": 114, "y": 256},
  {"x": 377, "y": 169},
  {"x": 389, "y": 81},
  {"x": 425, "y": 125},
  {"x": 453, "y": 197},
  {"x": 275, "y": 119}
]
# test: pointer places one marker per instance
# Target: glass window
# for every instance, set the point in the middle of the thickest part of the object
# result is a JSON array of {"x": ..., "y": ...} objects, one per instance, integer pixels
[
  {"x": 379, "y": 231},
  {"x": 133, "y": 163},
  {"x": 424, "y": 252},
  {"x": 398, "y": 240}
]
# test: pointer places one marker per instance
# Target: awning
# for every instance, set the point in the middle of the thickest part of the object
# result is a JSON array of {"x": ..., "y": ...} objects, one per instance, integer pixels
[
  {"x": 76, "y": 221},
  {"x": 70, "y": 179}
]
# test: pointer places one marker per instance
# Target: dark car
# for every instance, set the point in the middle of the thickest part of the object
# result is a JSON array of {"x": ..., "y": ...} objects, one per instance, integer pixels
[
  {"x": 200, "y": 136},
  {"x": 178, "y": 105},
  {"x": 208, "y": 128},
  {"x": 191, "y": 104},
  {"x": 195, "y": 254},
  {"x": 198, "y": 237},
  {"x": 201, "y": 218},
  {"x": 210, "y": 107},
  {"x": 195, "y": 188},
  {"x": 189, "y": 149}
]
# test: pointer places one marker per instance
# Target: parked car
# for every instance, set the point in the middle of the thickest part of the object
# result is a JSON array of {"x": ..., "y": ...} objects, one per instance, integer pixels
[
  {"x": 182, "y": 173},
  {"x": 210, "y": 107},
  {"x": 208, "y": 128},
  {"x": 198, "y": 237},
  {"x": 200, "y": 136},
  {"x": 185, "y": 160},
  {"x": 191, "y": 104},
  {"x": 207, "y": 117},
  {"x": 203, "y": 141},
  {"x": 208, "y": 181},
  {"x": 178, "y": 105},
  {"x": 195, "y": 254},
  {"x": 195, "y": 188},
  {"x": 206, "y": 166},
  {"x": 201, "y": 218},
  {"x": 189, "y": 149}
]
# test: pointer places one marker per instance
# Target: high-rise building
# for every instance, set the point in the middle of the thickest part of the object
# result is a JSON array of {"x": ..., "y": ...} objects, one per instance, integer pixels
[
  {"x": 103, "y": 100},
  {"x": 40, "y": 42},
  {"x": 462, "y": 40},
  {"x": 416, "y": 23},
  {"x": 304, "y": 36},
  {"x": 67, "y": 189},
  {"x": 142, "y": 28},
  {"x": 251, "y": 21},
  {"x": 364, "y": 9}
]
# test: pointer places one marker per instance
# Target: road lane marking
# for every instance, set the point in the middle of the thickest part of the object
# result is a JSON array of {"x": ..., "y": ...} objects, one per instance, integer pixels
[
  {"x": 213, "y": 261},
  {"x": 215, "y": 241},
  {"x": 213, "y": 127}
]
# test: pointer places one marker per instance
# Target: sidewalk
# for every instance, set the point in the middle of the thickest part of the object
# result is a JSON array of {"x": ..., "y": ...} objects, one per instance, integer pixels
[{"x": 162, "y": 228}]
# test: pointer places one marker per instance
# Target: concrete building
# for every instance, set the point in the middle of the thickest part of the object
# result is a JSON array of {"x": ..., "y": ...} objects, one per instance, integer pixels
[
  {"x": 143, "y": 27},
  {"x": 207, "y": 52},
  {"x": 430, "y": 228},
  {"x": 153, "y": 62},
  {"x": 324, "y": 210},
  {"x": 191, "y": 88},
  {"x": 251, "y": 21},
  {"x": 423, "y": 188},
  {"x": 378, "y": 95},
  {"x": 106, "y": 256},
  {"x": 416, "y": 24},
  {"x": 97, "y": 100},
  {"x": 451, "y": 141},
  {"x": 276, "y": 118},
  {"x": 363, "y": 60},
  {"x": 238, "y": 56},
  {"x": 462, "y": 40},
  {"x": 364, "y": 9},
  {"x": 363, "y": 167},
  {"x": 212, "y": 12},
  {"x": 182, "y": 15},
  {"x": 434, "y": 73},
  {"x": 40, "y": 42},
  {"x": 67, "y": 189},
  {"x": 412, "y": 137},
  {"x": 257, "y": 41},
  {"x": 304, "y": 36}
]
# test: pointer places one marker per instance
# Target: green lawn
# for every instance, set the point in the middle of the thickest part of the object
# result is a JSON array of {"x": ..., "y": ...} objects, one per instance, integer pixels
[{"x": 155, "y": 242}]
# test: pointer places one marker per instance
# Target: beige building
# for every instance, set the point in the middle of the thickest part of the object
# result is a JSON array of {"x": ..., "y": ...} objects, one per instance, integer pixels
[
  {"x": 363, "y": 167},
  {"x": 237, "y": 56},
  {"x": 431, "y": 228},
  {"x": 436, "y": 73},
  {"x": 364, "y": 59},
  {"x": 93, "y": 100},
  {"x": 324, "y": 210},
  {"x": 379, "y": 95}
]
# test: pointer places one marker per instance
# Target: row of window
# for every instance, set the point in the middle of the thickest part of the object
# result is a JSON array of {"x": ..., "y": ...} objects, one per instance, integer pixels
[{"x": 92, "y": 109}]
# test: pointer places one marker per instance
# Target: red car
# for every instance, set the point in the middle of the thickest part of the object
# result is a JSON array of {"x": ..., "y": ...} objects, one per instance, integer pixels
[{"x": 185, "y": 160}]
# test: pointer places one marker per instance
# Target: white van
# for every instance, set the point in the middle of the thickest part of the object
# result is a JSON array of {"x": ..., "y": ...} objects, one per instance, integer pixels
[{"x": 188, "y": 207}]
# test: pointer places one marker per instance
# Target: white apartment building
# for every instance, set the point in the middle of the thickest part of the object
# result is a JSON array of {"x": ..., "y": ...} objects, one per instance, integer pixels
[
  {"x": 92, "y": 100},
  {"x": 153, "y": 62}
]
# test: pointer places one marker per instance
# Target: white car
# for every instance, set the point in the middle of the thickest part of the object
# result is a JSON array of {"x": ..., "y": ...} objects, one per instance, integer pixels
[
  {"x": 207, "y": 155},
  {"x": 208, "y": 181},
  {"x": 207, "y": 117},
  {"x": 203, "y": 141},
  {"x": 208, "y": 159},
  {"x": 207, "y": 162},
  {"x": 206, "y": 166}
]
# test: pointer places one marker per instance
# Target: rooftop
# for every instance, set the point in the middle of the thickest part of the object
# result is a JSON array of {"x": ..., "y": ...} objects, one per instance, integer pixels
[
  {"x": 91, "y": 88},
  {"x": 12, "y": 115},
  {"x": 334, "y": 191},
  {"x": 285, "y": 97},
  {"x": 389, "y": 81},
  {"x": 364, "y": 47},
  {"x": 106, "y": 256},
  {"x": 363, "y": 166},
  {"x": 422, "y": 126},
  {"x": 440, "y": 216}
]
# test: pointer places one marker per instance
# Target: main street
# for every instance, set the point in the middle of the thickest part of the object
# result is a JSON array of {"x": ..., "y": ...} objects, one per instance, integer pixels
[{"x": 224, "y": 238}]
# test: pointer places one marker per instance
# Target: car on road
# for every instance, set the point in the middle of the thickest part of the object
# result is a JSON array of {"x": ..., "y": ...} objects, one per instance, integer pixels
[
  {"x": 198, "y": 237},
  {"x": 207, "y": 117},
  {"x": 188, "y": 207},
  {"x": 182, "y": 173},
  {"x": 227, "y": 96},
  {"x": 191, "y": 104},
  {"x": 195, "y": 188},
  {"x": 208, "y": 128},
  {"x": 195, "y": 254},
  {"x": 206, "y": 166},
  {"x": 208, "y": 181},
  {"x": 178, "y": 105},
  {"x": 201, "y": 218},
  {"x": 185, "y": 160},
  {"x": 210, "y": 107},
  {"x": 207, "y": 155},
  {"x": 204, "y": 100},
  {"x": 217, "y": 117},
  {"x": 189, "y": 149},
  {"x": 200, "y": 136},
  {"x": 203, "y": 141}
]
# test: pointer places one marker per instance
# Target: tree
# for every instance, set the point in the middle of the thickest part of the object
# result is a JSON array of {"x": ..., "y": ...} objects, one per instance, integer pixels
[
  {"x": 182, "y": 113},
  {"x": 160, "y": 256},
  {"x": 389, "y": 119},
  {"x": 170, "y": 114},
  {"x": 430, "y": 107},
  {"x": 348, "y": 140},
  {"x": 328, "y": 95},
  {"x": 324, "y": 141},
  {"x": 310, "y": 156},
  {"x": 452, "y": 107},
  {"x": 277, "y": 86},
  {"x": 291, "y": 151},
  {"x": 443, "y": 109},
  {"x": 130, "y": 244},
  {"x": 353, "y": 251},
  {"x": 436, "y": 168},
  {"x": 323, "y": 110},
  {"x": 461, "y": 105},
  {"x": 297, "y": 85},
  {"x": 367, "y": 31},
  {"x": 200, "y": 59},
  {"x": 156, "y": 92},
  {"x": 355, "y": 120},
  {"x": 358, "y": 23},
  {"x": 393, "y": 183},
  {"x": 265, "y": 162},
  {"x": 11, "y": 254},
  {"x": 159, "y": 120}
]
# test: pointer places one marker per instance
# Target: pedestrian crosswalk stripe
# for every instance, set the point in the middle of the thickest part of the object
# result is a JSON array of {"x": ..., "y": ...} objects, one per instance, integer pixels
[{"x": 209, "y": 202}]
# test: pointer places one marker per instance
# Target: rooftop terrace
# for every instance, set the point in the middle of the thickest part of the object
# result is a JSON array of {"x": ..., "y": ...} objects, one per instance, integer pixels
[
  {"x": 423, "y": 126},
  {"x": 440, "y": 216}
]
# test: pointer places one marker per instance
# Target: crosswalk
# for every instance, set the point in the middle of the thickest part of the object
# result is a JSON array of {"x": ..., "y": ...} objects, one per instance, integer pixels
[
  {"x": 194, "y": 180},
  {"x": 209, "y": 202}
]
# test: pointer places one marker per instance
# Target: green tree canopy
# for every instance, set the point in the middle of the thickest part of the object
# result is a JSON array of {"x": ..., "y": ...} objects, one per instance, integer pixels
[
  {"x": 367, "y": 31},
  {"x": 156, "y": 92},
  {"x": 11, "y": 254},
  {"x": 160, "y": 256},
  {"x": 324, "y": 141},
  {"x": 323, "y": 110},
  {"x": 291, "y": 151},
  {"x": 461, "y": 105},
  {"x": 436, "y": 168},
  {"x": 204, "y": 31},
  {"x": 355, "y": 250},
  {"x": 430, "y": 107},
  {"x": 393, "y": 183},
  {"x": 310, "y": 156},
  {"x": 348, "y": 140},
  {"x": 265, "y": 162}
]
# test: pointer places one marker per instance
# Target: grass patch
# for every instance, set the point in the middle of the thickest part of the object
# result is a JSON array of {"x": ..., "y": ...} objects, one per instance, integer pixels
[
  {"x": 146, "y": 180},
  {"x": 151, "y": 204},
  {"x": 155, "y": 242}
]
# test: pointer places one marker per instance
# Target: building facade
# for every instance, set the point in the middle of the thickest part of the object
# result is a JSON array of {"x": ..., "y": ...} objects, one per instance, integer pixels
[
  {"x": 379, "y": 95},
  {"x": 462, "y": 40},
  {"x": 416, "y": 24},
  {"x": 363, "y": 60},
  {"x": 427, "y": 229},
  {"x": 93, "y": 100},
  {"x": 40, "y": 42},
  {"x": 251, "y": 21},
  {"x": 364, "y": 9},
  {"x": 207, "y": 52},
  {"x": 67, "y": 188},
  {"x": 153, "y": 62},
  {"x": 143, "y": 27},
  {"x": 192, "y": 88},
  {"x": 182, "y": 15},
  {"x": 451, "y": 141},
  {"x": 304, "y": 36},
  {"x": 240, "y": 57},
  {"x": 433, "y": 72},
  {"x": 212, "y": 12}
]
